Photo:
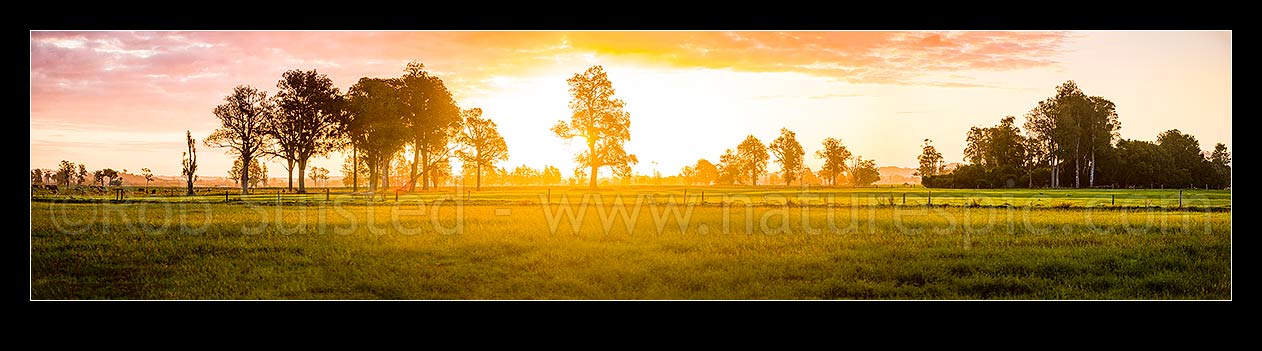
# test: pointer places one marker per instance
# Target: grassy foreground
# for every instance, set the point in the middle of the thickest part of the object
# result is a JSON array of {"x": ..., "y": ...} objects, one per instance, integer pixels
[{"x": 438, "y": 250}]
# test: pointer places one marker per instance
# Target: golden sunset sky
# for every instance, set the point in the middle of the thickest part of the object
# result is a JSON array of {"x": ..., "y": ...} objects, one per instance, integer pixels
[{"x": 123, "y": 100}]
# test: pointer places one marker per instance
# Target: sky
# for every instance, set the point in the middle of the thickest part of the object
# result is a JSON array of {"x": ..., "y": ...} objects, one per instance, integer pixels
[{"x": 123, "y": 100}]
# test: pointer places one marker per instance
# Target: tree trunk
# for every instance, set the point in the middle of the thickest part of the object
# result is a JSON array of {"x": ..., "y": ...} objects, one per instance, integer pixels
[
  {"x": 302, "y": 179},
  {"x": 424, "y": 171},
  {"x": 290, "y": 169},
  {"x": 354, "y": 169},
  {"x": 385, "y": 180},
  {"x": 192, "y": 160},
  {"x": 1077, "y": 167},
  {"x": 479, "y": 170},
  {"x": 372, "y": 175},
  {"x": 416, "y": 154},
  {"x": 245, "y": 175},
  {"x": 1091, "y": 177},
  {"x": 593, "y": 182}
]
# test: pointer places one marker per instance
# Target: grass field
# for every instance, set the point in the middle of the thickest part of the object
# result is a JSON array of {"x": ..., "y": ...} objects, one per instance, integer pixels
[{"x": 519, "y": 243}]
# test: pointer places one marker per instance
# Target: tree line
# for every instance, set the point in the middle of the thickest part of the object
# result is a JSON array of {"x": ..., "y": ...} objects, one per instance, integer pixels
[
  {"x": 1071, "y": 140},
  {"x": 748, "y": 163},
  {"x": 69, "y": 174}
]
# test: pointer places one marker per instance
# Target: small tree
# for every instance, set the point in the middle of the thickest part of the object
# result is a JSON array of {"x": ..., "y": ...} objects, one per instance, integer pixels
[
  {"x": 864, "y": 172},
  {"x": 65, "y": 173},
  {"x": 834, "y": 155},
  {"x": 81, "y": 176},
  {"x": 753, "y": 158},
  {"x": 244, "y": 119},
  {"x": 319, "y": 173},
  {"x": 930, "y": 160},
  {"x": 145, "y": 172},
  {"x": 484, "y": 144},
  {"x": 788, "y": 154}
]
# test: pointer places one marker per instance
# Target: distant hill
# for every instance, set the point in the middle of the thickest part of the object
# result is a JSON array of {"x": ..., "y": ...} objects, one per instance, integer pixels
[{"x": 897, "y": 175}]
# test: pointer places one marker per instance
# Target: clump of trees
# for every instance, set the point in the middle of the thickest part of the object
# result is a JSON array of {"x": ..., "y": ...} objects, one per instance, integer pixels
[
  {"x": 1071, "y": 140},
  {"x": 748, "y": 163},
  {"x": 381, "y": 121}
]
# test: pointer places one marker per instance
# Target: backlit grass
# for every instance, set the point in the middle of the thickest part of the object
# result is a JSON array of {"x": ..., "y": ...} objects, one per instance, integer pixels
[{"x": 506, "y": 250}]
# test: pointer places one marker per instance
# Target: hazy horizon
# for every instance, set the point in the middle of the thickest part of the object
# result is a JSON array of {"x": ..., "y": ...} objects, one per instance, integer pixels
[{"x": 123, "y": 100}]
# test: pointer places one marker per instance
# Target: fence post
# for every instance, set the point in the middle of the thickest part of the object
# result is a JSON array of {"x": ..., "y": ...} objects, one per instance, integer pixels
[
  {"x": 1112, "y": 200},
  {"x": 326, "y": 194},
  {"x": 1180, "y": 198},
  {"x": 904, "y": 198},
  {"x": 930, "y": 197},
  {"x": 225, "y": 196}
]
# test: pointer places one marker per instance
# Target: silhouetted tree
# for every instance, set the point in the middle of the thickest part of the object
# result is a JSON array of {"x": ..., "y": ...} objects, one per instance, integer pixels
[
  {"x": 1186, "y": 167},
  {"x": 189, "y": 161},
  {"x": 105, "y": 176},
  {"x": 145, "y": 172},
  {"x": 82, "y": 175},
  {"x": 996, "y": 147},
  {"x": 65, "y": 173},
  {"x": 835, "y": 156},
  {"x": 244, "y": 120},
  {"x": 753, "y": 158},
  {"x": 1221, "y": 160},
  {"x": 788, "y": 154},
  {"x": 1144, "y": 163},
  {"x": 319, "y": 173},
  {"x": 306, "y": 120},
  {"x": 1075, "y": 127},
  {"x": 432, "y": 118},
  {"x": 484, "y": 144},
  {"x": 376, "y": 114},
  {"x": 598, "y": 118},
  {"x": 37, "y": 176},
  {"x": 864, "y": 172},
  {"x": 930, "y": 160},
  {"x": 98, "y": 177}
]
